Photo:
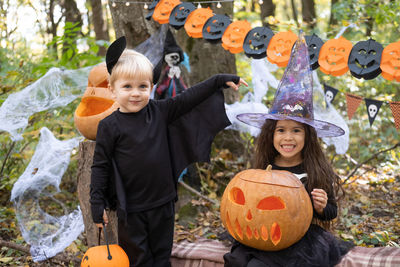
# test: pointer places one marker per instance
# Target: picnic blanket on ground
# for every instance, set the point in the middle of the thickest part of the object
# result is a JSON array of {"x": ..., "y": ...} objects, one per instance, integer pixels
[{"x": 209, "y": 253}]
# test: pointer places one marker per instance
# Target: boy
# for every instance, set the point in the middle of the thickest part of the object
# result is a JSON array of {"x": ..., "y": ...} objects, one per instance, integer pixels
[{"x": 145, "y": 145}]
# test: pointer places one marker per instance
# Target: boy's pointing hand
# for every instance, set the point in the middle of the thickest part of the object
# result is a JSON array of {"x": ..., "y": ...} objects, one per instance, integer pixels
[{"x": 236, "y": 86}]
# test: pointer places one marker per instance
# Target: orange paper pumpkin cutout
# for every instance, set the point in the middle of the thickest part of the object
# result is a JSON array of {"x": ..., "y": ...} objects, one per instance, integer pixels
[
  {"x": 163, "y": 10},
  {"x": 280, "y": 47},
  {"x": 196, "y": 20},
  {"x": 390, "y": 62},
  {"x": 266, "y": 209},
  {"x": 234, "y": 36},
  {"x": 96, "y": 104},
  {"x": 334, "y": 55}
]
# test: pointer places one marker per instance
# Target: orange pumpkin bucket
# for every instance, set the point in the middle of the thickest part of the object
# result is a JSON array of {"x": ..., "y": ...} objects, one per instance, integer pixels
[
  {"x": 266, "y": 209},
  {"x": 105, "y": 256}
]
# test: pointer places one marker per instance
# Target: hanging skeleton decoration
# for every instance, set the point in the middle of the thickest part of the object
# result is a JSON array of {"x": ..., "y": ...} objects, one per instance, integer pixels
[
  {"x": 170, "y": 83},
  {"x": 373, "y": 107}
]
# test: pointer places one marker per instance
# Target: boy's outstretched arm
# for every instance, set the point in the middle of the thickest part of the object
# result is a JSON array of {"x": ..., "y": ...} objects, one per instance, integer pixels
[{"x": 236, "y": 86}]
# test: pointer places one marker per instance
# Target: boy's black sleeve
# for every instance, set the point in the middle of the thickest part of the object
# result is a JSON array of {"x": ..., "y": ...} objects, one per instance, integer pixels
[
  {"x": 101, "y": 170},
  {"x": 193, "y": 96},
  {"x": 190, "y": 135}
]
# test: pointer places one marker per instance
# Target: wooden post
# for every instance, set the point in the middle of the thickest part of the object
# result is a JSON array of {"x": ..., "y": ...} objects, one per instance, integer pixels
[{"x": 86, "y": 150}]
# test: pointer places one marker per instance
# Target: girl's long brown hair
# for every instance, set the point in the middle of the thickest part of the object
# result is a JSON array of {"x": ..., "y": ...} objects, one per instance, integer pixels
[{"x": 320, "y": 173}]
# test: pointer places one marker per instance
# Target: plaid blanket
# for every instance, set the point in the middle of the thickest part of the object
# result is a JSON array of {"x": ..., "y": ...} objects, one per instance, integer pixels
[{"x": 209, "y": 253}]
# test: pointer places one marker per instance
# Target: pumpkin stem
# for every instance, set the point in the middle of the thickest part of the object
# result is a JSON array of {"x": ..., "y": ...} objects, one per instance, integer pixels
[{"x": 269, "y": 168}]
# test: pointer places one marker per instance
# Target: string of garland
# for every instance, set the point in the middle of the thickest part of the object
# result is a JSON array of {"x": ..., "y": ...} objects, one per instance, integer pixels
[
  {"x": 373, "y": 106},
  {"x": 365, "y": 60}
]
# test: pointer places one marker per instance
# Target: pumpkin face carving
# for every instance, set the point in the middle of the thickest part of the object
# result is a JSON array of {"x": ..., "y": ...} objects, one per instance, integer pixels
[
  {"x": 234, "y": 35},
  {"x": 96, "y": 104},
  {"x": 266, "y": 209},
  {"x": 163, "y": 10},
  {"x": 334, "y": 55},
  {"x": 98, "y": 257},
  {"x": 196, "y": 20}
]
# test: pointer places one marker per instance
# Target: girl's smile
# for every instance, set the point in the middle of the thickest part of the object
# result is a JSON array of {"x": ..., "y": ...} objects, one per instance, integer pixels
[{"x": 289, "y": 141}]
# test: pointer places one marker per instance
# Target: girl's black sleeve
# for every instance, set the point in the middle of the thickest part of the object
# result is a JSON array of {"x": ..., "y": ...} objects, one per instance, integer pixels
[
  {"x": 329, "y": 212},
  {"x": 193, "y": 96},
  {"x": 101, "y": 169}
]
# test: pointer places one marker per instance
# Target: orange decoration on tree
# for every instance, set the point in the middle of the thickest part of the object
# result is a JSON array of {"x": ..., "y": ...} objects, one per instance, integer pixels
[
  {"x": 234, "y": 36},
  {"x": 390, "y": 62},
  {"x": 266, "y": 209},
  {"x": 163, "y": 10},
  {"x": 334, "y": 55},
  {"x": 280, "y": 47},
  {"x": 196, "y": 20},
  {"x": 96, "y": 104}
]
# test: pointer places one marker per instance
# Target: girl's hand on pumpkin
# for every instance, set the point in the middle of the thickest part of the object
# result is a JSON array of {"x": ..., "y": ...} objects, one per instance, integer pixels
[
  {"x": 320, "y": 199},
  {"x": 105, "y": 220},
  {"x": 236, "y": 86}
]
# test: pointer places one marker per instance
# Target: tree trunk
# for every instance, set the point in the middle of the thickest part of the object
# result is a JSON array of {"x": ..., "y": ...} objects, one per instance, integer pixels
[
  {"x": 308, "y": 13},
  {"x": 130, "y": 21},
  {"x": 99, "y": 24},
  {"x": 207, "y": 59},
  {"x": 72, "y": 15},
  {"x": 86, "y": 150},
  {"x": 332, "y": 19},
  {"x": 267, "y": 9}
]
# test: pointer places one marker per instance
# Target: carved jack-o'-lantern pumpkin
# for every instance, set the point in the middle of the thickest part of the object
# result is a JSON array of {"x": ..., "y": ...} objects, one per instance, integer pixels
[
  {"x": 234, "y": 35},
  {"x": 266, "y": 209},
  {"x": 280, "y": 47},
  {"x": 98, "y": 257},
  {"x": 390, "y": 62},
  {"x": 163, "y": 10},
  {"x": 96, "y": 104},
  {"x": 196, "y": 20},
  {"x": 334, "y": 55}
]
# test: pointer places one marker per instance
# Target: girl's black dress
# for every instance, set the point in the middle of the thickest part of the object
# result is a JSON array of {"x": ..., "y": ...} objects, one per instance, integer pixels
[{"x": 317, "y": 247}]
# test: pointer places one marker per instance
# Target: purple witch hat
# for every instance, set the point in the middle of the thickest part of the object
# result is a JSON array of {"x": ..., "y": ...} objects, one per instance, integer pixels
[{"x": 294, "y": 96}]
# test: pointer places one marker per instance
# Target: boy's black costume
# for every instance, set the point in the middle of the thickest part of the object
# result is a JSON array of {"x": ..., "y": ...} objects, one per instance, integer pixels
[{"x": 142, "y": 155}]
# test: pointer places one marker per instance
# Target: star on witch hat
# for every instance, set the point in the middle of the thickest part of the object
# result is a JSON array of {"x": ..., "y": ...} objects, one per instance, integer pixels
[{"x": 294, "y": 96}]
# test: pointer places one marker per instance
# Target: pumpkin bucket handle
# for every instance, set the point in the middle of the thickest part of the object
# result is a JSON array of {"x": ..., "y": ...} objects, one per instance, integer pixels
[{"x": 105, "y": 237}]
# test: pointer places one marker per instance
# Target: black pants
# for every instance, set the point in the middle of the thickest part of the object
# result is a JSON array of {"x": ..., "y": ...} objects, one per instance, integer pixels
[{"x": 148, "y": 237}]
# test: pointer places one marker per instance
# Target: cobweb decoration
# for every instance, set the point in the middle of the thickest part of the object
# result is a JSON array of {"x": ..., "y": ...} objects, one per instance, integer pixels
[
  {"x": 252, "y": 102},
  {"x": 324, "y": 111},
  {"x": 153, "y": 47},
  {"x": 56, "y": 88},
  {"x": 47, "y": 234}
]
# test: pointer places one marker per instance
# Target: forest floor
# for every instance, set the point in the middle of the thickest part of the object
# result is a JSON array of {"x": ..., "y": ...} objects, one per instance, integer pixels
[{"x": 369, "y": 213}]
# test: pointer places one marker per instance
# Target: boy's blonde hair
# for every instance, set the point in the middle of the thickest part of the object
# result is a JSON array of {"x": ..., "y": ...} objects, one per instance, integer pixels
[{"x": 132, "y": 65}]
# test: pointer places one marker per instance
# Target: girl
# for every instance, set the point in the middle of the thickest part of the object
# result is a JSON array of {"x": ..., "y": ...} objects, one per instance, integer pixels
[
  {"x": 288, "y": 141},
  {"x": 294, "y": 147}
]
